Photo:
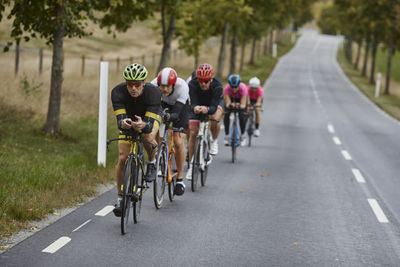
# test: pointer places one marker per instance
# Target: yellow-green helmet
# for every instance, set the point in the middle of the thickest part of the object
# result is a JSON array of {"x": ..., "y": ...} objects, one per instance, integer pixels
[{"x": 135, "y": 72}]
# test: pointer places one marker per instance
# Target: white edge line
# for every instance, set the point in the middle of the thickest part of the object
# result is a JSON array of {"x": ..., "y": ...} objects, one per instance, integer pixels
[
  {"x": 80, "y": 226},
  {"x": 377, "y": 210},
  {"x": 56, "y": 245},
  {"x": 346, "y": 155},
  {"x": 336, "y": 140},
  {"x": 104, "y": 211},
  {"x": 358, "y": 176}
]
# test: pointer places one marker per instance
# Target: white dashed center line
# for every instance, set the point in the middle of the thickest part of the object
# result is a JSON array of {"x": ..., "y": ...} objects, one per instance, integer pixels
[
  {"x": 104, "y": 211},
  {"x": 377, "y": 210},
  {"x": 346, "y": 155},
  {"x": 59, "y": 243},
  {"x": 337, "y": 140},
  {"x": 330, "y": 128},
  {"x": 358, "y": 176}
]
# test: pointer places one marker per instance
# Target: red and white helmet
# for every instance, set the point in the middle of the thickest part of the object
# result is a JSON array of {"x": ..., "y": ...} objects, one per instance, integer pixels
[{"x": 166, "y": 76}]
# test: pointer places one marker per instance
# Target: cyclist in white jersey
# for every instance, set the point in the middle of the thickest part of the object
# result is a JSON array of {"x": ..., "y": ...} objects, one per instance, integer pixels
[{"x": 174, "y": 101}]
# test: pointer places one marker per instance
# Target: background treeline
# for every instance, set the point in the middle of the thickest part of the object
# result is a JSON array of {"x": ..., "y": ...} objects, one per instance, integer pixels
[
  {"x": 369, "y": 25},
  {"x": 239, "y": 22}
]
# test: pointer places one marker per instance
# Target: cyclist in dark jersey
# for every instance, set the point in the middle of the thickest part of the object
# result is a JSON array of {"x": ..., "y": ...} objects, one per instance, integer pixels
[
  {"x": 137, "y": 106},
  {"x": 205, "y": 98}
]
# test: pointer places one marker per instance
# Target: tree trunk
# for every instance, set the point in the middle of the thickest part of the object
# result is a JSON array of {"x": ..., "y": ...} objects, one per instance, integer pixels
[
  {"x": 349, "y": 48},
  {"x": 271, "y": 40},
  {"x": 242, "y": 55},
  {"x": 374, "y": 46},
  {"x": 232, "y": 64},
  {"x": 53, "y": 113},
  {"x": 222, "y": 51},
  {"x": 196, "y": 60},
  {"x": 358, "y": 54},
  {"x": 16, "y": 58},
  {"x": 167, "y": 39},
  {"x": 364, "y": 70},
  {"x": 253, "y": 51},
  {"x": 266, "y": 44},
  {"x": 390, "y": 54}
]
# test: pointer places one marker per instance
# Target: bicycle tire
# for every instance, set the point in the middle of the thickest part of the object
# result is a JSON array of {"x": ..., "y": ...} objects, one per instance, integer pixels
[
  {"x": 126, "y": 193},
  {"x": 140, "y": 188},
  {"x": 206, "y": 153},
  {"x": 233, "y": 143},
  {"x": 250, "y": 129},
  {"x": 174, "y": 172},
  {"x": 196, "y": 164},
  {"x": 159, "y": 182}
]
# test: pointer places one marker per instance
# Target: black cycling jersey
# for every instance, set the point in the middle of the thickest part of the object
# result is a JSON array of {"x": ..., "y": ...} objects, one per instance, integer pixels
[
  {"x": 211, "y": 97},
  {"x": 147, "y": 105}
]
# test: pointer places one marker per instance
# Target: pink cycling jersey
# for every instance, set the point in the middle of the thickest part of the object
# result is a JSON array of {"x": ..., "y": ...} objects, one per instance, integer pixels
[
  {"x": 241, "y": 92},
  {"x": 254, "y": 95}
]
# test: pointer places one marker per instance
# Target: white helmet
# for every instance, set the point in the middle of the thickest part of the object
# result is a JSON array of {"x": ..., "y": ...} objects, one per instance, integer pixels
[{"x": 254, "y": 82}]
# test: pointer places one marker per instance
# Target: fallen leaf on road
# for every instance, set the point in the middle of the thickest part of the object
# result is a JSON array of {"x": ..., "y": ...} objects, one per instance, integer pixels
[
  {"x": 240, "y": 190},
  {"x": 56, "y": 213},
  {"x": 31, "y": 227},
  {"x": 267, "y": 174},
  {"x": 4, "y": 247},
  {"x": 294, "y": 243}
]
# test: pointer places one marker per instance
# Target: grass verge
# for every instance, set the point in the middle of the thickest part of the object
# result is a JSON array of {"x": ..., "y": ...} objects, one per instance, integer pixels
[{"x": 388, "y": 103}]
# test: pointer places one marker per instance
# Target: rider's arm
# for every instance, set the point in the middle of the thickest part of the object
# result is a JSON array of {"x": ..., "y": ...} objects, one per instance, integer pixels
[
  {"x": 119, "y": 107},
  {"x": 216, "y": 97},
  {"x": 175, "y": 111},
  {"x": 227, "y": 100},
  {"x": 152, "y": 115},
  {"x": 194, "y": 99}
]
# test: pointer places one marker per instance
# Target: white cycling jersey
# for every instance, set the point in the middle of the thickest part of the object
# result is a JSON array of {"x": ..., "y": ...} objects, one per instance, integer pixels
[{"x": 180, "y": 93}]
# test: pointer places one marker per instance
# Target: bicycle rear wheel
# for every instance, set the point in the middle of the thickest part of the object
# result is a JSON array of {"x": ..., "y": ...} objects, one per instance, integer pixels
[
  {"x": 206, "y": 155},
  {"x": 126, "y": 193},
  {"x": 139, "y": 189},
  {"x": 161, "y": 170},
  {"x": 174, "y": 172},
  {"x": 196, "y": 164}
]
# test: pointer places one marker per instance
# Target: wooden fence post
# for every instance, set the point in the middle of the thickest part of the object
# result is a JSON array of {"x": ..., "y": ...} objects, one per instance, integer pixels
[
  {"x": 16, "y": 59},
  {"x": 143, "y": 59},
  {"x": 130, "y": 60},
  {"x": 40, "y": 60},
  {"x": 83, "y": 65}
]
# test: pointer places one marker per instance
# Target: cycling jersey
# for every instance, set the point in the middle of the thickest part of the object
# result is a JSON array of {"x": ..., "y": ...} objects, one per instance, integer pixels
[
  {"x": 254, "y": 95},
  {"x": 212, "y": 97},
  {"x": 147, "y": 105},
  {"x": 235, "y": 97},
  {"x": 177, "y": 103}
]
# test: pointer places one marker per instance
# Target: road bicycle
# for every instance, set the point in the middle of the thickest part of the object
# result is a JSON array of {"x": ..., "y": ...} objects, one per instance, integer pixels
[
  {"x": 234, "y": 133},
  {"x": 201, "y": 155},
  {"x": 251, "y": 122},
  {"x": 133, "y": 183},
  {"x": 165, "y": 165}
]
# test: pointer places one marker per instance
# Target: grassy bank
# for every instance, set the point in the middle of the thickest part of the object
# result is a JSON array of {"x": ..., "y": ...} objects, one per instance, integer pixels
[{"x": 389, "y": 103}]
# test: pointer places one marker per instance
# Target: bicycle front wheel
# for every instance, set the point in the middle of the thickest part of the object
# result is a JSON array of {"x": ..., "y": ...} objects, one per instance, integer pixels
[
  {"x": 174, "y": 172},
  {"x": 126, "y": 193},
  {"x": 196, "y": 164},
  {"x": 159, "y": 182},
  {"x": 233, "y": 144},
  {"x": 207, "y": 158},
  {"x": 139, "y": 188}
]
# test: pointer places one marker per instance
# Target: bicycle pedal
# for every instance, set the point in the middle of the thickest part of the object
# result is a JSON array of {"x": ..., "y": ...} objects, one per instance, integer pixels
[{"x": 134, "y": 197}]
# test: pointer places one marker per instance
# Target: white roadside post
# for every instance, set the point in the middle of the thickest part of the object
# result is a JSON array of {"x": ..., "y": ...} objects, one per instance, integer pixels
[
  {"x": 274, "y": 50},
  {"x": 102, "y": 135},
  {"x": 378, "y": 85}
]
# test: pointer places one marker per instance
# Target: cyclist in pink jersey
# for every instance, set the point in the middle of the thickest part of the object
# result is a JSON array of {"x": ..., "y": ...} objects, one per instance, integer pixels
[
  {"x": 235, "y": 97},
  {"x": 256, "y": 94}
]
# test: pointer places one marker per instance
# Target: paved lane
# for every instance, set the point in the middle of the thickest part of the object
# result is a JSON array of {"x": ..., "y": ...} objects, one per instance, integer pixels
[{"x": 292, "y": 199}]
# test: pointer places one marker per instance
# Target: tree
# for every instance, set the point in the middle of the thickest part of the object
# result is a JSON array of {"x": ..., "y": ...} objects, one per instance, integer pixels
[{"x": 54, "y": 20}]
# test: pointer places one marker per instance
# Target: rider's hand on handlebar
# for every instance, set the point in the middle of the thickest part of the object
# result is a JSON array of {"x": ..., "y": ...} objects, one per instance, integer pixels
[{"x": 126, "y": 123}]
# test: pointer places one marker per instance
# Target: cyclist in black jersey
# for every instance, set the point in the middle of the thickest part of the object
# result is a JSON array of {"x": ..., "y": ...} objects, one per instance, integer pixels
[
  {"x": 205, "y": 98},
  {"x": 137, "y": 106}
]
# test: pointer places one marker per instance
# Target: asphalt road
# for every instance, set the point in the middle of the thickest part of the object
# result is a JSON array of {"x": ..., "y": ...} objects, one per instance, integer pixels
[{"x": 319, "y": 187}]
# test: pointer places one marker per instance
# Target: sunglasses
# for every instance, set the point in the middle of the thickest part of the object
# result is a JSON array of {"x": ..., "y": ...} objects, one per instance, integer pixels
[
  {"x": 204, "y": 81},
  {"x": 134, "y": 83}
]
